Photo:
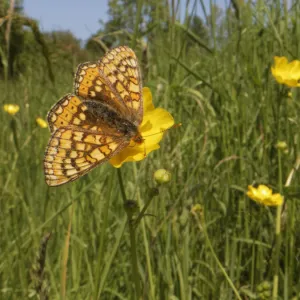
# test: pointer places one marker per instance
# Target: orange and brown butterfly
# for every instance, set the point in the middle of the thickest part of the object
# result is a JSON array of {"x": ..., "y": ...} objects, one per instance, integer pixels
[{"x": 98, "y": 121}]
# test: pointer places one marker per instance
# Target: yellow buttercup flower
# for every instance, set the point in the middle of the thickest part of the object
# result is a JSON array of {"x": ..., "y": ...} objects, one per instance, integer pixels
[
  {"x": 155, "y": 121},
  {"x": 285, "y": 72},
  {"x": 264, "y": 195},
  {"x": 12, "y": 109},
  {"x": 41, "y": 122}
]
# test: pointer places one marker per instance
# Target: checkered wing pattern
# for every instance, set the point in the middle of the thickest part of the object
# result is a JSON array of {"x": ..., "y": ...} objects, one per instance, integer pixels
[
  {"x": 114, "y": 80},
  {"x": 69, "y": 110},
  {"x": 72, "y": 152}
]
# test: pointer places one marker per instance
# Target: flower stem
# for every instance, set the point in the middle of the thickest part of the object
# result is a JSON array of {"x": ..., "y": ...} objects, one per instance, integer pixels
[
  {"x": 202, "y": 227},
  {"x": 143, "y": 211},
  {"x": 134, "y": 263},
  {"x": 122, "y": 186},
  {"x": 277, "y": 233},
  {"x": 135, "y": 274},
  {"x": 66, "y": 256},
  {"x": 277, "y": 252},
  {"x": 13, "y": 125}
]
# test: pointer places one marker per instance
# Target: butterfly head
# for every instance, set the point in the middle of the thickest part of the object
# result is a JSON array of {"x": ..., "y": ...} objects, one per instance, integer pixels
[{"x": 138, "y": 138}]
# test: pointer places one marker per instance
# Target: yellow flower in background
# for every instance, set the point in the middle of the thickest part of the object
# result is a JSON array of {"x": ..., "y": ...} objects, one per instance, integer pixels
[
  {"x": 264, "y": 195},
  {"x": 155, "y": 121},
  {"x": 41, "y": 122},
  {"x": 12, "y": 109},
  {"x": 285, "y": 72}
]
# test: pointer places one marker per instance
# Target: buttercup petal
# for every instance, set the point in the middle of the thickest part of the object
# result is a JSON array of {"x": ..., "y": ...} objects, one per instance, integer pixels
[
  {"x": 155, "y": 121},
  {"x": 252, "y": 192},
  {"x": 264, "y": 191},
  {"x": 147, "y": 99},
  {"x": 280, "y": 60},
  {"x": 285, "y": 72},
  {"x": 277, "y": 199}
]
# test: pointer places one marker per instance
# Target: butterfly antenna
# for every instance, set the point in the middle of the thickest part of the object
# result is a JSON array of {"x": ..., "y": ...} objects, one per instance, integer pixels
[{"x": 163, "y": 130}]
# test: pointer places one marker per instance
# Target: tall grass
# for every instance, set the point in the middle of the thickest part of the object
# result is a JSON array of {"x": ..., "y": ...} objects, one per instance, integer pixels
[{"x": 233, "y": 113}]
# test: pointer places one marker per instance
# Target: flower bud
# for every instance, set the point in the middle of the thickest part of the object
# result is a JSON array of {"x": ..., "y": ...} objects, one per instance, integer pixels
[
  {"x": 162, "y": 176},
  {"x": 197, "y": 209},
  {"x": 266, "y": 285},
  {"x": 282, "y": 145},
  {"x": 160, "y": 87}
]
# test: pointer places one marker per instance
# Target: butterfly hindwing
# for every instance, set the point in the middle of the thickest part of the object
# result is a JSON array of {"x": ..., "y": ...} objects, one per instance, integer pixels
[{"x": 72, "y": 152}]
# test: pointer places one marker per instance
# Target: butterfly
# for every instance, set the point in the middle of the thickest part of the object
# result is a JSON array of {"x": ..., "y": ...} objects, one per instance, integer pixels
[{"x": 99, "y": 120}]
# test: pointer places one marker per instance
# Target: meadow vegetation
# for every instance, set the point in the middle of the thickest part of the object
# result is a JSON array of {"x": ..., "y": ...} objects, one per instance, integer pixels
[{"x": 204, "y": 237}]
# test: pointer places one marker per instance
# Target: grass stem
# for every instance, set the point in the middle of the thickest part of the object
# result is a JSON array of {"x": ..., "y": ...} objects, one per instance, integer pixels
[{"x": 134, "y": 263}]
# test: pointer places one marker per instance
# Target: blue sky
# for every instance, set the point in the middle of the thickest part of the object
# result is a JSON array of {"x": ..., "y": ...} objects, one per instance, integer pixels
[{"x": 79, "y": 16}]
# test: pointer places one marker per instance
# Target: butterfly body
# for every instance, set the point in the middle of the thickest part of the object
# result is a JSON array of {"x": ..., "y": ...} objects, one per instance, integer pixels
[
  {"x": 104, "y": 116},
  {"x": 99, "y": 121}
]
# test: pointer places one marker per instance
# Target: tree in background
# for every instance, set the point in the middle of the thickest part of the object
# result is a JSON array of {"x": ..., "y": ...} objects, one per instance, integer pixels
[
  {"x": 65, "y": 49},
  {"x": 11, "y": 36},
  {"x": 118, "y": 28},
  {"x": 21, "y": 49},
  {"x": 13, "y": 32}
]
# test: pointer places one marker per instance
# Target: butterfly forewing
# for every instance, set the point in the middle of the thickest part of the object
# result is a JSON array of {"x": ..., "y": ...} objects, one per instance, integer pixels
[
  {"x": 114, "y": 80},
  {"x": 120, "y": 67},
  {"x": 90, "y": 85},
  {"x": 67, "y": 111},
  {"x": 72, "y": 152}
]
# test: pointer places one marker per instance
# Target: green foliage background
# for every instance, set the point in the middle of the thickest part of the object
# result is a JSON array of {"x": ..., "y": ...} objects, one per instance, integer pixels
[{"x": 213, "y": 75}]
